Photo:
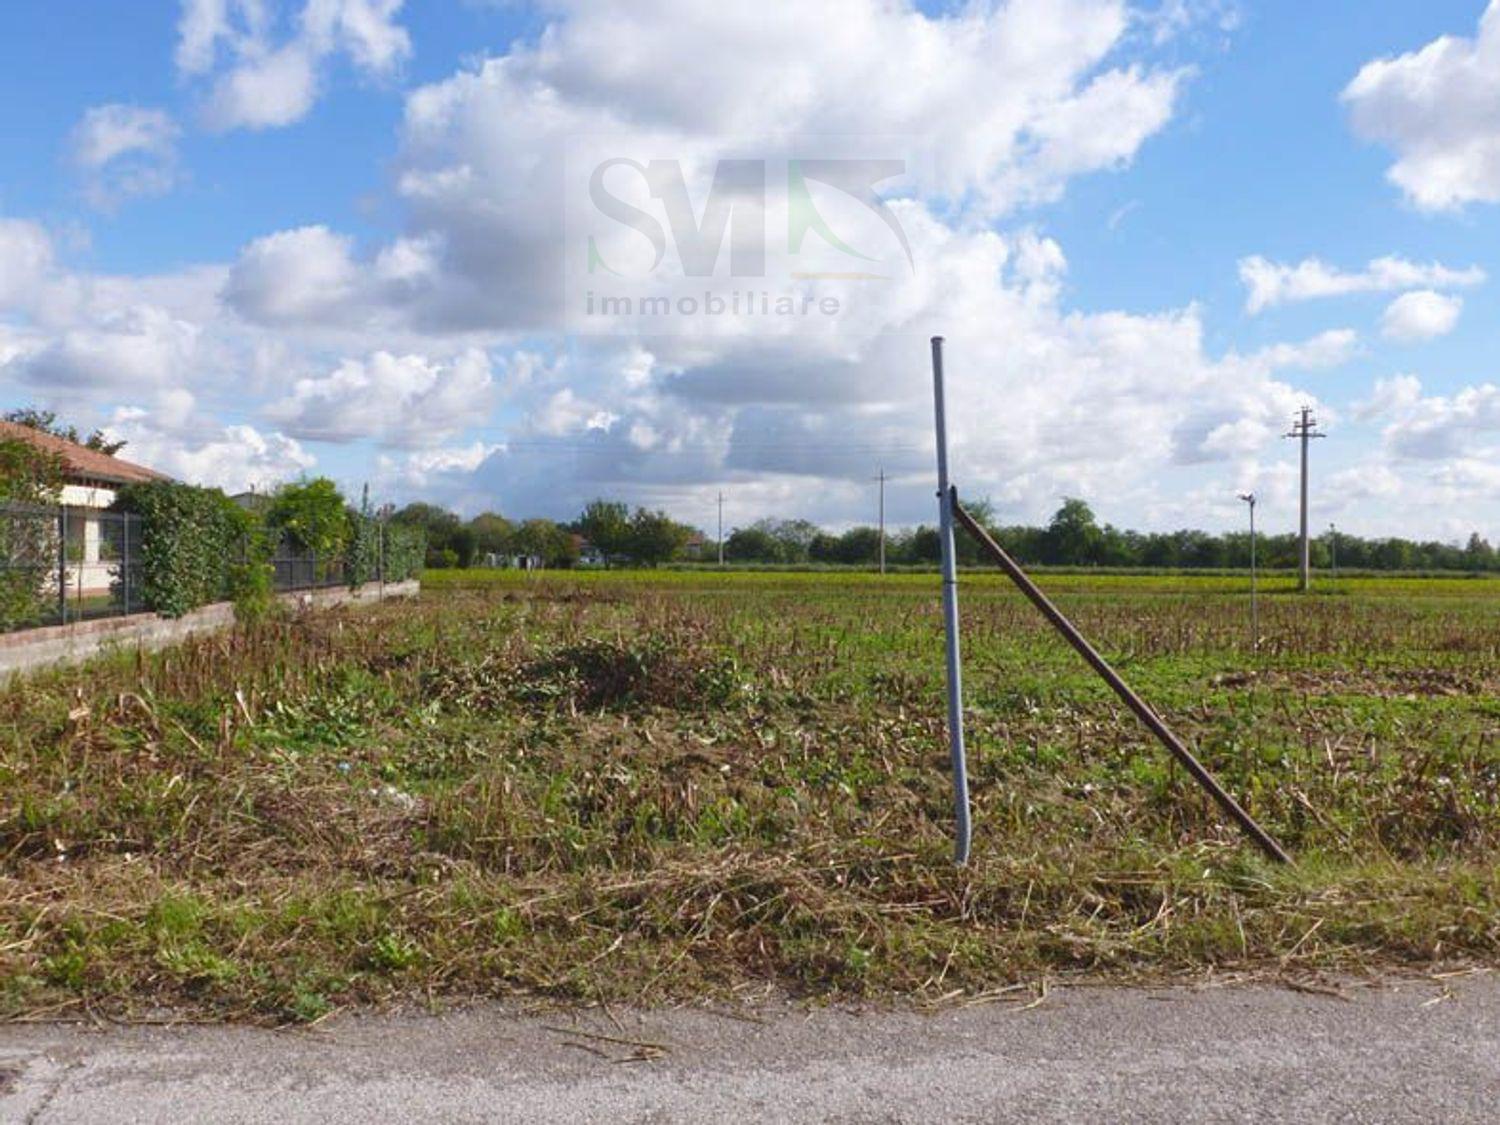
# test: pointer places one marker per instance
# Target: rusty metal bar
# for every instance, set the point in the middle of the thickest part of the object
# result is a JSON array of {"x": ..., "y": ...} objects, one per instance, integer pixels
[{"x": 1138, "y": 705}]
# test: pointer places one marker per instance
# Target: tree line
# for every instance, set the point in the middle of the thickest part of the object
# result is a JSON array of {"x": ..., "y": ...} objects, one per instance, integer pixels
[
  {"x": 1072, "y": 537},
  {"x": 642, "y": 537}
]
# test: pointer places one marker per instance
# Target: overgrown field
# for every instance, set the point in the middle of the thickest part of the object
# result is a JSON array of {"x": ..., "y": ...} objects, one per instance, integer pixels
[{"x": 628, "y": 787}]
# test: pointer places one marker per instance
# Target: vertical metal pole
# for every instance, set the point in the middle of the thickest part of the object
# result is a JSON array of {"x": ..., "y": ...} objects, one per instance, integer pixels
[
  {"x": 1333, "y": 550},
  {"x": 1254, "y": 603},
  {"x": 62, "y": 566},
  {"x": 950, "y": 618},
  {"x": 1306, "y": 575},
  {"x": 881, "y": 478},
  {"x": 721, "y": 529},
  {"x": 125, "y": 562}
]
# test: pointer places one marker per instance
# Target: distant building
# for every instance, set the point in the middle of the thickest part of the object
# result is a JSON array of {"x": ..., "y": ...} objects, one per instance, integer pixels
[
  {"x": 90, "y": 481},
  {"x": 258, "y": 502}
]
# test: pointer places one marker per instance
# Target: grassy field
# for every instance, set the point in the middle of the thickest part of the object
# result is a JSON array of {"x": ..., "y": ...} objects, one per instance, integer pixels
[{"x": 644, "y": 787}]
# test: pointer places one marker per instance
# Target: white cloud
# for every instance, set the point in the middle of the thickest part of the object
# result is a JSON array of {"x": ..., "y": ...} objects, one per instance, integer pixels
[
  {"x": 25, "y": 258},
  {"x": 1332, "y": 348},
  {"x": 1274, "y": 283},
  {"x": 1395, "y": 395},
  {"x": 1437, "y": 108},
  {"x": 294, "y": 276},
  {"x": 125, "y": 152},
  {"x": 1420, "y": 315},
  {"x": 424, "y": 470},
  {"x": 266, "y": 92},
  {"x": 997, "y": 109},
  {"x": 235, "y": 458},
  {"x": 257, "y": 82},
  {"x": 1461, "y": 425},
  {"x": 108, "y": 132},
  {"x": 404, "y": 400},
  {"x": 135, "y": 347}
]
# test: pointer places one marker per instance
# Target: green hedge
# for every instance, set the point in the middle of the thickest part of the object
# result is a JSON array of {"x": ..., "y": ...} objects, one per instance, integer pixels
[
  {"x": 196, "y": 543},
  {"x": 405, "y": 552},
  {"x": 29, "y": 482}
]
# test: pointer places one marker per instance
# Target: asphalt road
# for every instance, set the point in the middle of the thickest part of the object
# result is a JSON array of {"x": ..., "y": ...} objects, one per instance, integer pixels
[{"x": 1400, "y": 1051}]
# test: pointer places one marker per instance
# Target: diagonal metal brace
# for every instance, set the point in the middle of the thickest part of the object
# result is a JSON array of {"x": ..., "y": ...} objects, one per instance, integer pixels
[{"x": 1138, "y": 705}]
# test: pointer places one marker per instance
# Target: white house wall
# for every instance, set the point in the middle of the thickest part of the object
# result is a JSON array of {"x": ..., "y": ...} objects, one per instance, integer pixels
[{"x": 86, "y": 496}]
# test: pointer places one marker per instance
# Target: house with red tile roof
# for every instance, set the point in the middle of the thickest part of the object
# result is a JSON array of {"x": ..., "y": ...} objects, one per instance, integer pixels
[{"x": 90, "y": 481}]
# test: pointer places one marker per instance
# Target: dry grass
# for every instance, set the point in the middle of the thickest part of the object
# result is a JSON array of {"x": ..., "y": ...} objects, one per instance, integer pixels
[{"x": 644, "y": 790}]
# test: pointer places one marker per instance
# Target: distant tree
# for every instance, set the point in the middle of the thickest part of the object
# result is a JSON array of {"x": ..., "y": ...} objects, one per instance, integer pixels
[
  {"x": 547, "y": 541},
  {"x": 752, "y": 544},
  {"x": 442, "y": 529},
  {"x": 793, "y": 538},
  {"x": 1073, "y": 537},
  {"x": 856, "y": 547},
  {"x": 1478, "y": 554},
  {"x": 655, "y": 538},
  {"x": 46, "y": 421},
  {"x": 492, "y": 533},
  {"x": 607, "y": 525}
]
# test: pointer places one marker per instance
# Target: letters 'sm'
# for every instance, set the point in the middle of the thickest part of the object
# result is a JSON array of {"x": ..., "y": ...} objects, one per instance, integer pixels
[{"x": 736, "y": 205}]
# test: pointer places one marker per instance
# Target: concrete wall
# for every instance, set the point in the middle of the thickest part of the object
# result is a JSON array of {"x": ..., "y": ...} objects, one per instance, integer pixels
[{"x": 70, "y": 644}]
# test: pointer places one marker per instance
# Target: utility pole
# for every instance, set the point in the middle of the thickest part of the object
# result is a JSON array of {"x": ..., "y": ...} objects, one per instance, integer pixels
[
  {"x": 882, "y": 479},
  {"x": 1249, "y": 498},
  {"x": 1305, "y": 429},
  {"x": 1333, "y": 550},
  {"x": 721, "y": 529}
]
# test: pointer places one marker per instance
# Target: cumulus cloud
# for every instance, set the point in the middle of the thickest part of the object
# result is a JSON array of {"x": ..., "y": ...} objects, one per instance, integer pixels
[
  {"x": 997, "y": 110},
  {"x": 1332, "y": 348},
  {"x": 1436, "y": 109},
  {"x": 26, "y": 257},
  {"x": 1420, "y": 315},
  {"x": 1394, "y": 395},
  {"x": 294, "y": 276},
  {"x": 257, "y": 81},
  {"x": 406, "y": 400},
  {"x": 1461, "y": 425},
  {"x": 1275, "y": 283},
  {"x": 173, "y": 438},
  {"x": 135, "y": 347}
]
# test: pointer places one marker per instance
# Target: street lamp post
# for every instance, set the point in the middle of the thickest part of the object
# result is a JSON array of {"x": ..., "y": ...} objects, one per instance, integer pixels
[{"x": 1249, "y": 499}]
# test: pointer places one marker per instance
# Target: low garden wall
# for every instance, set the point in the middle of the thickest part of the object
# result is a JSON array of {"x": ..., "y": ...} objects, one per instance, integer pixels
[{"x": 31, "y": 649}]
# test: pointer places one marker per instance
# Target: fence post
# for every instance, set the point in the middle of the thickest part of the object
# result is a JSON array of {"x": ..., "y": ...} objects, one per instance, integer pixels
[
  {"x": 125, "y": 562},
  {"x": 62, "y": 565},
  {"x": 957, "y": 754}
]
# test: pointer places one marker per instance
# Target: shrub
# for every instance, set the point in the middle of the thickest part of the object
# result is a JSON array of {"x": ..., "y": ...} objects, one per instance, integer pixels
[
  {"x": 405, "y": 551},
  {"x": 196, "y": 544},
  {"x": 29, "y": 478}
]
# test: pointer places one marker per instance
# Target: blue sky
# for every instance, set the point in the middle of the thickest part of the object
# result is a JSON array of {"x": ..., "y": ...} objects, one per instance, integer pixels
[{"x": 259, "y": 238}]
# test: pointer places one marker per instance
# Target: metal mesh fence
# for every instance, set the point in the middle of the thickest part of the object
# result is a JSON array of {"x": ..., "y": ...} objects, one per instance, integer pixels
[
  {"x": 303, "y": 570},
  {"x": 59, "y": 565}
]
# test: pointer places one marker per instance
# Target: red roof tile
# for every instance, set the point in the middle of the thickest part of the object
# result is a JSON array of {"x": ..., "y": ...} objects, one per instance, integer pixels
[{"x": 78, "y": 460}]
